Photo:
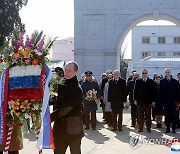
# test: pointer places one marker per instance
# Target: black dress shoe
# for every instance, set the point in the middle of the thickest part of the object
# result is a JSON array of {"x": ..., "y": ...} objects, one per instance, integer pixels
[
  {"x": 93, "y": 128},
  {"x": 173, "y": 131},
  {"x": 149, "y": 130},
  {"x": 140, "y": 131},
  {"x": 167, "y": 131},
  {"x": 113, "y": 129},
  {"x": 86, "y": 128},
  {"x": 120, "y": 129}
]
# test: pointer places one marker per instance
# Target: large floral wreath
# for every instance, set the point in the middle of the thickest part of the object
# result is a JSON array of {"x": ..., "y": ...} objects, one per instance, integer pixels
[{"x": 24, "y": 83}]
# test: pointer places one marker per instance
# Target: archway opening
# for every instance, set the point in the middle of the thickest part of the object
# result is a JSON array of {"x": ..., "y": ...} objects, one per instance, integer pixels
[{"x": 151, "y": 32}]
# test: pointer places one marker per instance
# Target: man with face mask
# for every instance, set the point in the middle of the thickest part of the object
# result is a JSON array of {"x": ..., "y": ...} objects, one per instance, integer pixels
[{"x": 169, "y": 97}]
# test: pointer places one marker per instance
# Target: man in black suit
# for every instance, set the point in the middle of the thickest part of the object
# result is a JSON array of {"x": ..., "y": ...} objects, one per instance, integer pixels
[
  {"x": 144, "y": 99},
  {"x": 169, "y": 97},
  {"x": 177, "y": 113},
  {"x": 116, "y": 97},
  {"x": 130, "y": 92}
]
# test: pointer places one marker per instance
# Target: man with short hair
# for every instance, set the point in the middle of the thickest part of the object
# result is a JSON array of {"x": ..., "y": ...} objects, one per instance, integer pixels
[
  {"x": 144, "y": 98},
  {"x": 68, "y": 128},
  {"x": 116, "y": 97},
  {"x": 177, "y": 113},
  {"x": 130, "y": 92},
  {"x": 169, "y": 97}
]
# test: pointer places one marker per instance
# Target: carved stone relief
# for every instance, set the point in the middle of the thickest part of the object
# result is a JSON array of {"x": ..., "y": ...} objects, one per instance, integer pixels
[{"x": 94, "y": 32}]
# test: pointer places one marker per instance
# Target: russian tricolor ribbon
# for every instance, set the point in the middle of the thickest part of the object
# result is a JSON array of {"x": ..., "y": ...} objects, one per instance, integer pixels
[
  {"x": 45, "y": 138},
  {"x": 3, "y": 104}
]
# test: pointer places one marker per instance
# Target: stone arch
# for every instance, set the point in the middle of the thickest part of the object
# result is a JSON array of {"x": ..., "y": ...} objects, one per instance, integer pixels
[{"x": 134, "y": 22}]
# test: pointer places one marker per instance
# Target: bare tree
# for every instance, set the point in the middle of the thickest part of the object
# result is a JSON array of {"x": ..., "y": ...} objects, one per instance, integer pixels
[{"x": 123, "y": 63}]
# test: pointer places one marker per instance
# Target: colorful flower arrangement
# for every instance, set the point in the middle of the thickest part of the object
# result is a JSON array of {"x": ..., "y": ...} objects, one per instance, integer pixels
[
  {"x": 25, "y": 93},
  {"x": 24, "y": 83},
  {"x": 29, "y": 51},
  {"x": 19, "y": 111},
  {"x": 25, "y": 57},
  {"x": 91, "y": 96}
]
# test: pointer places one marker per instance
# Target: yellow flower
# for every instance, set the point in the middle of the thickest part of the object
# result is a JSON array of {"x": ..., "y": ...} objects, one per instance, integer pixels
[
  {"x": 26, "y": 52},
  {"x": 17, "y": 114},
  {"x": 15, "y": 105},
  {"x": 17, "y": 55},
  {"x": 33, "y": 109},
  {"x": 25, "y": 105}
]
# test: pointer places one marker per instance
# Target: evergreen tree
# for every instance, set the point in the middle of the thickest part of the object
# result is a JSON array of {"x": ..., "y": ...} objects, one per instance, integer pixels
[{"x": 10, "y": 18}]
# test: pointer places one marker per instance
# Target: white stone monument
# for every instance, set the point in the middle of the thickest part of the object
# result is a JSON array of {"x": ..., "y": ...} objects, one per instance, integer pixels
[{"x": 102, "y": 25}]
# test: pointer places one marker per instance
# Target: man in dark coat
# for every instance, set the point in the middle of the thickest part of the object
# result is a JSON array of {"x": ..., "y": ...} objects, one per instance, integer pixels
[
  {"x": 169, "y": 97},
  {"x": 116, "y": 97},
  {"x": 178, "y": 113},
  {"x": 68, "y": 128},
  {"x": 104, "y": 80},
  {"x": 90, "y": 106},
  {"x": 144, "y": 99},
  {"x": 130, "y": 92}
]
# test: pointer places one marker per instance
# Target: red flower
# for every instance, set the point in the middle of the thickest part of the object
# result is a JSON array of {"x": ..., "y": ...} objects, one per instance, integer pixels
[
  {"x": 20, "y": 124},
  {"x": 35, "y": 62},
  {"x": 33, "y": 53},
  {"x": 42, "y": 57},
  {"x": 16, "y": 51},
  {"x": 1, "y": 60}
]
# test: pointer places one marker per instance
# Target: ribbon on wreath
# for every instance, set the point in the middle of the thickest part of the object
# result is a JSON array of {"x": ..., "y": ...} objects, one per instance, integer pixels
[
  {"x": 45, "y": 138},
  {"x": 3, "y": 104}
]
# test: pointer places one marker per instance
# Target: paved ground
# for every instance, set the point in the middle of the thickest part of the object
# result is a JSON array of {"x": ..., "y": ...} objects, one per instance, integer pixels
[{"x": 104, "y": 141}]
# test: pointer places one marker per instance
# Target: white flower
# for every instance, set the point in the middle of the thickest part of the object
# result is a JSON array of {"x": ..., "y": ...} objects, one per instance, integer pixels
[
  {"x": 25, "y": 71},
  {"x": 27, "y": 116},
  {"x": 36, "y": 106},
  {"x": 11, "y": 112},
  {"x": 38, "y": 52},
  {"x": 10, "y": 105}
]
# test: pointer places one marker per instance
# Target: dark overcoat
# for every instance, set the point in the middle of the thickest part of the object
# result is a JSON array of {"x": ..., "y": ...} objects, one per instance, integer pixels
[
  {"x": 169, "y": 91},
  {"x": 86, "y": 86},
  {"x": 117, "y": 93},
  {"x": 144, "y": 92}
]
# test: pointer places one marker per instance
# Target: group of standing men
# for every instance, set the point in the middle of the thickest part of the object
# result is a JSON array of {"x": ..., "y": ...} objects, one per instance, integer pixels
[
  {"x": 144, "y": 94},
  {"x": 147, "y": 97}
]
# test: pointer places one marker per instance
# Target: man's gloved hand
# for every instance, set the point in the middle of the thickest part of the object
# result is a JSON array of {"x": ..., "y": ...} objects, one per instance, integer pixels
[{"x": 54, "y": 115}]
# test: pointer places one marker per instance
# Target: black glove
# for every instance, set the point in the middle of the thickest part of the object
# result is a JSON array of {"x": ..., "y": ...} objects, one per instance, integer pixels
[{"x": 54, "y": 116}]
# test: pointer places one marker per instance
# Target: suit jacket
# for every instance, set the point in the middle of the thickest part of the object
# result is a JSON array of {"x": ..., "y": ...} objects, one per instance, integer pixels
[
  {"x": 117, "y": 93},
  {"x": 169, "y": 91},
  {"x": 130, "y": 89},
  {"x": 144, "y": 92}
]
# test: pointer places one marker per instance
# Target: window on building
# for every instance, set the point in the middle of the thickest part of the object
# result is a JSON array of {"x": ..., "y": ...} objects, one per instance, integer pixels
[
  {"x": 145, "y": 54},
  {"x": 161, "y": 54},
  {"x": 146, "y": 40},
  {"x": 176, "y": 53},
  {"x": 177, "y": 40},
  {"x": 161, "y": 40}
]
